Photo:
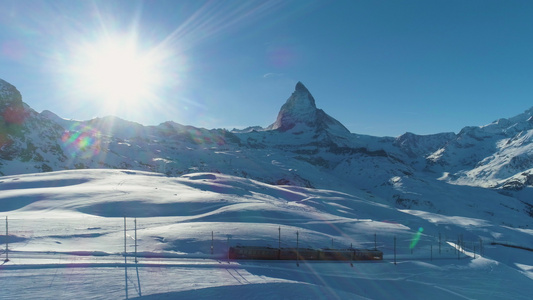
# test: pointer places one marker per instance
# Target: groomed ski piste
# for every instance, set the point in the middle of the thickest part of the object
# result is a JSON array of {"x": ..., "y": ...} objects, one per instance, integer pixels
[{"x": 66, "y": 239}]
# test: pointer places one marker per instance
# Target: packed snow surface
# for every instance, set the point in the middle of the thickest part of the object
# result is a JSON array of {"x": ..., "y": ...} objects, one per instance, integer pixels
[{"x": 66, "y": 239}]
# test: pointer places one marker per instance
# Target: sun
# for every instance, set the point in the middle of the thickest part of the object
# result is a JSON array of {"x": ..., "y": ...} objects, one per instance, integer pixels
[{"x": 116, "y": 73}]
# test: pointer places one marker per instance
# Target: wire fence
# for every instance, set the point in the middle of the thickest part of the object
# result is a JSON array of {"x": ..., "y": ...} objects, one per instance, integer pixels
[
  {"x": 129, "y": 237},
  {"x": 133, "y": 243},
  {"x": 132, "y": 246}
]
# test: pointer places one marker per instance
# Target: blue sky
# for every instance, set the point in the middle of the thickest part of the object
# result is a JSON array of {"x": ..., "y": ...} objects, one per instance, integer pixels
[{"x": 381, "y": 68}]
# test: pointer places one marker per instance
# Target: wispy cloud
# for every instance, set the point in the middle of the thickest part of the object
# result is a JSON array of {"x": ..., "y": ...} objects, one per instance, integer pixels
[{"x": 273, "y": 75}]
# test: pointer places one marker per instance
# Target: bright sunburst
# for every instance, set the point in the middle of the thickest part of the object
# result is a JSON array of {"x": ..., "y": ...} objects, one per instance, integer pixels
[{"x": 117, "y": 73}]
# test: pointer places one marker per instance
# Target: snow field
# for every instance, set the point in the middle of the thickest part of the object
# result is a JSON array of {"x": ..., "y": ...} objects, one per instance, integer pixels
[{"x": 66, "y": 240}]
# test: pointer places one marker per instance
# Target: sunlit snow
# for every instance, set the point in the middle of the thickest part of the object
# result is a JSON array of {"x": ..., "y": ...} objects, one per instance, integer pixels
[{"x": 66, "y": 240}]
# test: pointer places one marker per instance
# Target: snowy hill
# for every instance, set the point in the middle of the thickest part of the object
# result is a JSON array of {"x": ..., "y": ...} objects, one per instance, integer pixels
[{"x": 75, "y": 219}]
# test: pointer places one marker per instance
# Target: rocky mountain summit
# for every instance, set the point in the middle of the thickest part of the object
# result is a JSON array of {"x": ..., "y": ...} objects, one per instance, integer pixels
[
  {"x": 12, "y": 110},
  {"x": 303, "y": 147},
  {"x": 9, "y": 95},
  {"x": 300, "y": 111}
]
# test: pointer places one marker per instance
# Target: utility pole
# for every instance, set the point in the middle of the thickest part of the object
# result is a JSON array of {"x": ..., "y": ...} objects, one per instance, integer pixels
[
  {"x": 135, "y": 222},
  {"x": 279, "y": 238},
  {"x": 395, "y": 250},
  {"x": 353, "y": 254},
  {"x": 136, "y": 261},
  {"x": 279, "y": 242},
  {"x": 125, "y": 260},
  {"x": 375, "y": 242},
  {"x": 7, "y": 242},
  {"x": 228, "y": 248},
  {"x": 439, "y": 242},
  {"x": 297, "y": 250}
]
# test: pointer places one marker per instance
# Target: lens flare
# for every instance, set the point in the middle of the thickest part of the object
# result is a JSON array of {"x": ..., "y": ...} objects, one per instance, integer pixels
[
  {"x": 81, "y": 141},
  {"x": 416, "y": 238},
  {"x": 15, "y": 115},
  {"x": 13, "y": 49},
  {"x": 205, "y": 137}
]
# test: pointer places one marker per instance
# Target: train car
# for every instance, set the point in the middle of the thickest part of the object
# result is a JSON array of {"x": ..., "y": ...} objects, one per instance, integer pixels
[
  {"x": 367, "y": 254},
  {"x": 336, "y": 254},
  {"x": 303, "y": 254},
  {"x": 268, "y": 253},
  {"x": 253, "y": 252}
]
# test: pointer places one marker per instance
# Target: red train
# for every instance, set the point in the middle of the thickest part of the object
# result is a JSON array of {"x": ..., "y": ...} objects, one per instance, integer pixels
[{"x": 268, "y": 253}]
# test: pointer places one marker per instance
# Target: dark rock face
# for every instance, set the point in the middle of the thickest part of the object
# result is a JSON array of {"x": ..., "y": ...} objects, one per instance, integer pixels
[
  {"x": 9, "y": 96},
  {"x": 300, "y": 109},
  {"x": 11, "y": 106},
  {"x": 12, "y": 116},
  {"x": 26, "y": 137}
]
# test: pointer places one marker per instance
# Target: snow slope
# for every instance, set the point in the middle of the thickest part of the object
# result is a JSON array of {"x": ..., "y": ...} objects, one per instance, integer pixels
[{"x": 66, "y": 240}]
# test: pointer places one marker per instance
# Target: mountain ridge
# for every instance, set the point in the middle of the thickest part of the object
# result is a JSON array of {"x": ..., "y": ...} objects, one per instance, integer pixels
[{"x": 303, "y": 147}]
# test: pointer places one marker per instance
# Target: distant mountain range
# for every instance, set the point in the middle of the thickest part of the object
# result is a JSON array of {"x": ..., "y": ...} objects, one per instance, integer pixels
[{"x": 304, "y": 146}]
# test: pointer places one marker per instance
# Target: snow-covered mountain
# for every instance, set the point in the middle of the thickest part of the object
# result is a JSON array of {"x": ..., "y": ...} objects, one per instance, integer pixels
[
  {"x": 303, "y": 147},
  {"x": 197, "y": 191}
]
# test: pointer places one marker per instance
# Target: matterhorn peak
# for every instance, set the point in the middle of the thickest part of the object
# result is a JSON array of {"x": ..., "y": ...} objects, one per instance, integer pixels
[
  {"x": 301, "y": 97},
  {"x": 300, "y": 109},
  {"x": 301, "y": 89}
]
